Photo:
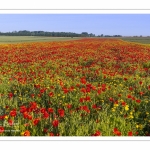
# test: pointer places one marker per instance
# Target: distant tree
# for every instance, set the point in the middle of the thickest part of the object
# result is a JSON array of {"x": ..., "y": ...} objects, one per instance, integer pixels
[{"x": 84, "y": 34}]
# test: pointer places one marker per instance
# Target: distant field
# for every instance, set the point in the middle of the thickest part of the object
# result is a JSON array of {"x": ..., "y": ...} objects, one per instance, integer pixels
[
  {"x": 143, "y": 40},
  {"x": 21, "y": 39}
]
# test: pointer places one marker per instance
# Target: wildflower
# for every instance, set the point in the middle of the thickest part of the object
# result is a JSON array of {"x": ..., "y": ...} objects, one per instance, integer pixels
[
  {"x": 51, "y": 134},
  {"x": 113, "y": 109},
  {"x": 116, "y": 132},
  {"x": 55, "y": 123},
  {"x": 1, "y": 129},
  {"x": 69, "y": 106},
  {"x": 141, "y": 93},
  {"x": 123, "y": 103},
  {"x": 61, "y": 112},
  {"x": 126, "y": 108},
  {"x": 83, "y": 80},
  {"x": 130, "y": 133},
  {"x": 36, "y": 121},
  {"x": 10, "y": 95},
  {"x": 45, "y": 130},
  {"x": 45, "y": 115},
  {"x": 97, "y": 133},
  {"x": 26, "y": 133},
  {"x": 129, "y": 96},
  {"x": 13, "y": 113},
  {"x": 51, "y": 94},
  {"x": 10, "y": 122},
  {"x": 50, "y": 110},
  {"x": 138, "y": 101}
]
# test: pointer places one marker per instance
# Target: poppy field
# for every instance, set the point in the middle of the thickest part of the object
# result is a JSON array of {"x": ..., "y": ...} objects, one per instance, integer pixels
[{"x": 85, "y": 87}]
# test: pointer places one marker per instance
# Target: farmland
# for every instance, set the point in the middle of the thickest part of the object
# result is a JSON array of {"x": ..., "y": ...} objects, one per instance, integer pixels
[
  {"x": 25, "y": 39},
  {"x": 82, "y": 87},
  {"x": 142, "y": 40}
]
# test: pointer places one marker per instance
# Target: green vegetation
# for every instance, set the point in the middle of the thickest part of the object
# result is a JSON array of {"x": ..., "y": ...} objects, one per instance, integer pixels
[
  {"x": 143, "y": 40},
  {"x": 21, "y": 39}
]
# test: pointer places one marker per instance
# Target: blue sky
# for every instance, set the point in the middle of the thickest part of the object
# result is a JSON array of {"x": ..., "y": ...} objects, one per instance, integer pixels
[{"x": 107, "y": 24}]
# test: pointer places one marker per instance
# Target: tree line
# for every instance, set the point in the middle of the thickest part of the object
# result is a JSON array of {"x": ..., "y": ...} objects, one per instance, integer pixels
[{"x": 53, "y": 34}]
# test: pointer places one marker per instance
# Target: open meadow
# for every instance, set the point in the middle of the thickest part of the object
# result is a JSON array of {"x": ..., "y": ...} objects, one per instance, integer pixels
[
  {"x": 142, "y": 40},
  {"x": 82, "y": 87},
  {"x": 25, "y": 39}
]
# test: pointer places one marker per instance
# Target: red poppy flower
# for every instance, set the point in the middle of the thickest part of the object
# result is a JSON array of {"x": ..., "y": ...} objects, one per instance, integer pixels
[
  {"x": 129, "y": 96},
  {"x": 123, "y": 103},
  {"x": 36, "y": 121},
  {"x": 51, "y": 94},
  {"x": 83, "y": 80},
  {"x": 25, "y": 115},
  {"x": 87, "y": 98},
  {"x": 97, "y": 133},
  {"x": 61, "y": 112},
  {"x": 32, "y": 95},
  {"x": 1, "y": 129},
  {"x": 83, "y": 90},
  {"x": 130, "y": 88},
  {"x": 65, "y": 90},
  {"x": 13, "y": 113},
  {"x": 33, "y": 105},
  {"x": 10, "y": 122},
  {"x": 94, "y": 106},
  {"x": 45, "y": 130},
  {"x": 29, "y": 117},
  {"x": 51, "y": 134},
  {"x": 138, "y": 100},
  {"x": 26, "y": 133},
  {"x": 50, "y": 110},
  {"x": 69, "y": 106},
  {"x": 141, "y": 93},
  {"x": 23, "y": 109},
  {"x": 117, "y": 132},
  {"x": 43, "y": 110},
  {"x": 111, "y": 99},
  {"x": 130, "y": 133},
  {"x": 125, "y": 79},
  {"x": 55, "y": 123},
  {"x": 10, "y": 95},
  {"x": 45, "y": 115}
]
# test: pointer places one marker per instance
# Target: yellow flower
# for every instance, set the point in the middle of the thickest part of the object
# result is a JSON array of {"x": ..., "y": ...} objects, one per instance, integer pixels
[
  {"x": 140, "y": 126},
  {"x": 113, "y": 110},
  {"x": 131, "y": 117},
  {"x": 137, "y": 126},
  {"x": 147, "y": 113},
  {"x": 102, "y": 101},
  {"x": 6, "y": 117},
  {"x": 116, "y": 105},
  {"x": 126, "y": 108},
  {"x": 22, "y": 133}
]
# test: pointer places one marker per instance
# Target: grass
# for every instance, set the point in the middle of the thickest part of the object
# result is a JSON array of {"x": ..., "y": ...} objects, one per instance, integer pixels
[
  {"x": 22, "y": 39},
  {"x": 143, "y": 40}
]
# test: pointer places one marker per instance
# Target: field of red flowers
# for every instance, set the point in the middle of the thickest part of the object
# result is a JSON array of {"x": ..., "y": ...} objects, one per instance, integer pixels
[{"x": 88, "y": 87}]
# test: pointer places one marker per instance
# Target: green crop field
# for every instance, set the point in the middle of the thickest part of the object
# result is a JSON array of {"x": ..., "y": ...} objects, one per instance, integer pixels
[
  {"x": 22, "y": 39},
  {"x": 143, "y": 40}
]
